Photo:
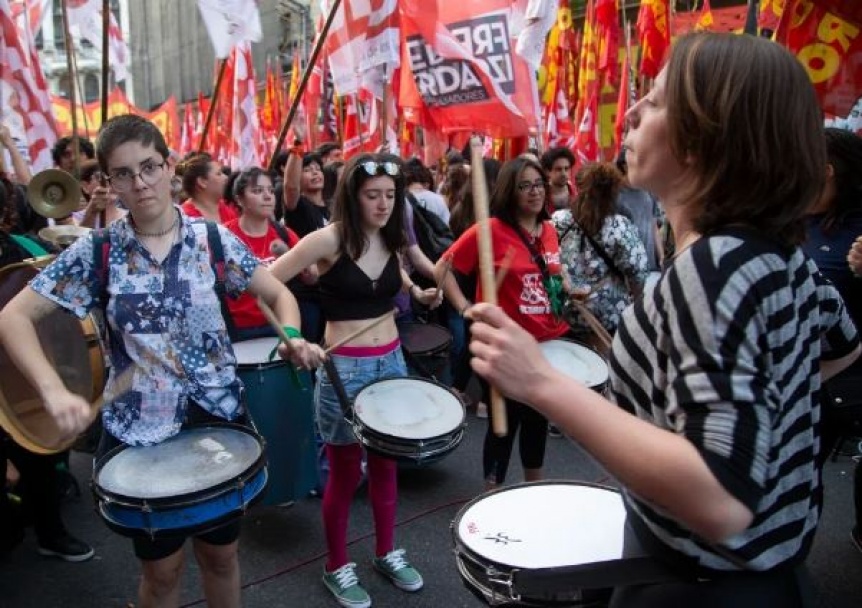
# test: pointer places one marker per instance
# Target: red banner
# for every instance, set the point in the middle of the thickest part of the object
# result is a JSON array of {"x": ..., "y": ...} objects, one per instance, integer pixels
[
  {"x": 90, "y": 116},
  {"x": 830, "y": 49}
]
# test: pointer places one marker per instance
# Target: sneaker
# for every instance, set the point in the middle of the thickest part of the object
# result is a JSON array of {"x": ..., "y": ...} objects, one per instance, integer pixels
[
  {"x": 344, "y": 585},
  {"x": 856, "y": 537},
  {"x": 399, "y": 571},
  {"x": 67, "y": 548},
  {"x": 553, "y": 431}
]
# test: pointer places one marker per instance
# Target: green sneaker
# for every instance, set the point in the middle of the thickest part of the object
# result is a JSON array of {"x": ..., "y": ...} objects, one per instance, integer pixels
[
  {"x": 344, "y": 585},
  {"x": 399, "y": 571}
]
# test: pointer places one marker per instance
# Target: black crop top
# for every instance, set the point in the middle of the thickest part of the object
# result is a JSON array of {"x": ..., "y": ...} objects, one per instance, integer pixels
[{"x": 347, "y": 294}]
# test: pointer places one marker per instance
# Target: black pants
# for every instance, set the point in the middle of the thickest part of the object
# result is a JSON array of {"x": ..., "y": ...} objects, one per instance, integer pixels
[{"x": 37, "y": 489}]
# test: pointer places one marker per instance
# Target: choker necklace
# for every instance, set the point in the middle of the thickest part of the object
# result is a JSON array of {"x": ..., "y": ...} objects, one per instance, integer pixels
[{"x": 160, "y": 233}]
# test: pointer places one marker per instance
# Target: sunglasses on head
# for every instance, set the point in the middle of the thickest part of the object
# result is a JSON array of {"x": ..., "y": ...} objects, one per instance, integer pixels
[{"x": 373, "y": 168}]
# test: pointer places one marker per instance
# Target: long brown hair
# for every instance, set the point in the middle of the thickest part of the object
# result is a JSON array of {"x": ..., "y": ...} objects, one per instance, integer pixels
[
  {"x": 504, "y": 197},
  {"x": 598, "y": 185},
  {"x": 742, "y": 111}
]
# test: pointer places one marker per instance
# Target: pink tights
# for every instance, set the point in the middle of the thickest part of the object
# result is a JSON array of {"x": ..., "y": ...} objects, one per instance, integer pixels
[{"x": 344, "y": 475}]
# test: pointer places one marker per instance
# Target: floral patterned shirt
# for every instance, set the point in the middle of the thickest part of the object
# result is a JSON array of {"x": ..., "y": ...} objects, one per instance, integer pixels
[
  {"x": 610, "y": 294},
  {"x": 168, "y": 340}
]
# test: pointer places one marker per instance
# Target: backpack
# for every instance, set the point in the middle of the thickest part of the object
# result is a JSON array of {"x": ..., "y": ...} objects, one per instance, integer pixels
[
  {"x": 432, "y": 234},
  {"x": 102, "y": 249}
]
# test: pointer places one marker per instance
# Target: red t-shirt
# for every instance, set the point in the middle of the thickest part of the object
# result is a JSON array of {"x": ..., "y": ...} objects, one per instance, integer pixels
[
  {"x": 244, "y": 309},
  {"x": 226, "y": 213},
  {"x": 522, "y": 294}
]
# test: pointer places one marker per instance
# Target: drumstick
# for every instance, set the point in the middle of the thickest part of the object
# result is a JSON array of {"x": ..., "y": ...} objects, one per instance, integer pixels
[
  {"x": 599, "y": 329},
  {"x": 274, "y": 323},
  {"x": 359, "y": 332},
  {"x": 447, "y": 268},
  {"x": 486, "y": 266}
]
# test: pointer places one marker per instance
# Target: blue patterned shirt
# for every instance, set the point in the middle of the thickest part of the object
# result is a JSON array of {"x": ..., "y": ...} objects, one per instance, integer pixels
[{"x": 167, "y": 334}]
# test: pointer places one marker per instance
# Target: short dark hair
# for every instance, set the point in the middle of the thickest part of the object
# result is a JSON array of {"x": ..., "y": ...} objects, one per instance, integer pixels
[
  {"x": 552, "y": 155},
  {"x": 125, "y": 128},
  {"x": 247, "y": 178},
  {"x": 325, "y": 148},
  {"x": 312, "y": 157},
  {"x": 85, "y": 146},
  {"x": 743, "y": 113},
  {"x": 844, "y": 149},
  {"x": 415, "y": 172}
]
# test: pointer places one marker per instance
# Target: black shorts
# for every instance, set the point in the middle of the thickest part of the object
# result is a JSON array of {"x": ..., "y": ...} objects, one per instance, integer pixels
[{"x": 154, "y": 549}]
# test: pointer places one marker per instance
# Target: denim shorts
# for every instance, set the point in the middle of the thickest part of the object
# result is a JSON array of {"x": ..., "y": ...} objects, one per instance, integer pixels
[{"x": 355, "y": 374}]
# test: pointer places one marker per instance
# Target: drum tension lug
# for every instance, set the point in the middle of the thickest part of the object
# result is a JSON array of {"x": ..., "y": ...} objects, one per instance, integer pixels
[{"x": 503, "y": 579}]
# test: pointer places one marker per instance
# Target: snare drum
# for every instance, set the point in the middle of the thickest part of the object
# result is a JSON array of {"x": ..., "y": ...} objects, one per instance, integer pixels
[
  {"x": 74, "y": 350},
  {"x": 579, "y": 361},
  {"x": 549, "y": 543},
  {"x": 283, "y": 414},
  {"x": 427, "y": 346},
  {"x": 408, "y": 419},
  {"x": 191, "y": 483}
]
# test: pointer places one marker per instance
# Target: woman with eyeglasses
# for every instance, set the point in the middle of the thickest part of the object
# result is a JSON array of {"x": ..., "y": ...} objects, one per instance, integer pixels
[
  {"x": 358, "y": 258},
  {"x": 172, "y": 362},
  {"x": 602, "y": 252},
  {"x": 531, "y": 292},
  {"x": 716, "y": 370}
]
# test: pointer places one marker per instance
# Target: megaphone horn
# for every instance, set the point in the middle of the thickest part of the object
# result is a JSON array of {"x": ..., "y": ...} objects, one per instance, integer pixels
[{"x": 54, "y": 193}]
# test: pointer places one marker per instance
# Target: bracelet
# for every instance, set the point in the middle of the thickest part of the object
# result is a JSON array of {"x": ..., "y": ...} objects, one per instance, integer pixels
[
  {"x": 292, "y": 332},
  {"x": 297, "y": 150}
]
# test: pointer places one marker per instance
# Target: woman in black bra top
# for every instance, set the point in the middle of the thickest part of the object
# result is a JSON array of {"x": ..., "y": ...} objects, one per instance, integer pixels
[{"x": 360, "y": 272}]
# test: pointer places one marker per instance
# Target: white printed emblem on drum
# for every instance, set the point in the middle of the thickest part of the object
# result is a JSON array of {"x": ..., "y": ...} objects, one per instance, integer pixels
[
  {"x": 546, "y": 526},
  {"x": 197, "y": 459},
  {"x": 252, "y": 352},
  {"x": 577, "y": 361},
  {"x": 409, "y": 409}
]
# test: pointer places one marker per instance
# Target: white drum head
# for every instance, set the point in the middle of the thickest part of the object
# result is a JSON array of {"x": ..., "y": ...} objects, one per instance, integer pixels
[
  {"x": 196, "y": 459},
  {"x": 408, "y": 408},
  {"x": 577, "y": 361},
  {"x": 545, "y": 526},
  {"x": 254, "y": 352}
]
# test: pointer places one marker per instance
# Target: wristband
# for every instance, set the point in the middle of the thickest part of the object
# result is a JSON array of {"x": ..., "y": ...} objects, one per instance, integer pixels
[{"x": 292, "y": 332}]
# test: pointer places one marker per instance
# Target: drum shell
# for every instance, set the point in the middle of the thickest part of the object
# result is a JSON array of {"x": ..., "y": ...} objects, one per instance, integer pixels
[
  {"x": 185, "y": 514},
  {"x": 419, "y": 451},
  {"x": 582, "y": 584},
  {"x": 283, "y": 414},
  {"x": 428, "y": 348}
]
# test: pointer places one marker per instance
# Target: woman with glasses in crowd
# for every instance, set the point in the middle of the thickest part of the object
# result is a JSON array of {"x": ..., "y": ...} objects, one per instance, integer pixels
[
  {"x": 169, "y": 344},
  {"x": 531, "y": 292},
  {"x": 358, "y": 258}
]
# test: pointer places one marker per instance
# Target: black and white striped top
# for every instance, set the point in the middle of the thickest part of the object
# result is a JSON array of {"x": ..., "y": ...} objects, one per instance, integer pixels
[{"x": 724, "y": 350}]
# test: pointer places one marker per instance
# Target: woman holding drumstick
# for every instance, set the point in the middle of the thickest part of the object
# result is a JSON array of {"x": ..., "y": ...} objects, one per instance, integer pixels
[
  {"x": 531, "y": 293},
  {"x": 358, "y": 258}
]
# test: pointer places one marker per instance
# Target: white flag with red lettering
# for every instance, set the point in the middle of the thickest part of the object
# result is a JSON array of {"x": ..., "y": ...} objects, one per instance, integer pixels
[
  {"x": 245, "y": 149},
  {"x": 230, "y": 22},
  {"x": 29, "y": 14},
  {"x": 25, "y": 102},
  {"x": 85, "y": 21}
]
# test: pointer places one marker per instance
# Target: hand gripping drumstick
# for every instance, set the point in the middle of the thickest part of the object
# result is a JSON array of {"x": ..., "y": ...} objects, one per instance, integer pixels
[
  {"x": 486, "y": 266},
  {"x": 359, "y": 332},
  {"x": 274, "y": 323}
]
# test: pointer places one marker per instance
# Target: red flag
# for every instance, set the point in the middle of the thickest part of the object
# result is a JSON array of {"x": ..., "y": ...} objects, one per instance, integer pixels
[
  {"x": 25, "y": 92},
  {"x": 451, "y": 80},
  {"x": 29, "y": 15},
  {"x": 770, "y": 15},
  {"x": 654, "y": 33},
  {"x": 830, "y": 49},
  {"x": 587, "y": 137},
  {"x": 187, "y": 135},
  {"x": 624, "y": 101},
  {"x": 244, "y": 148},
  {"x": 705, "y": 21},
  {"x": 607, "y": 23}
]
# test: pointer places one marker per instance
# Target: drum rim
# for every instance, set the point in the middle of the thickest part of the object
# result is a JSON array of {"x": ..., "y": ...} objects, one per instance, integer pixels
[
  {"x": 254, "y": 365},
  {"x": 461, "y": 547},
  {"x": 188, "y": 498},
  {"x": 599, "y": 387},
  {"x": 357, "y": 420}
]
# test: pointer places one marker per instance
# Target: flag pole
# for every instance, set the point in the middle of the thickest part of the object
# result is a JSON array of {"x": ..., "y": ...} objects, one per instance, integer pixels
[
  {"x": 213, "y": 102},
  {"x": 106, "y": 24},
  {"x": 70, "y": 49},
  {"x": 306, "y": 75}
]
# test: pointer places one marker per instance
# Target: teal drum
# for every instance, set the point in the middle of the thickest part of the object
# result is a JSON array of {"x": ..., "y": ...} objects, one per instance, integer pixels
[{"x": 282, "y": 411}]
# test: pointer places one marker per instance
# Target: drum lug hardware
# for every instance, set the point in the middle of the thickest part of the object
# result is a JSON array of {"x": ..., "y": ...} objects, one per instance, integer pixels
[{"x": 502, "y": 579}]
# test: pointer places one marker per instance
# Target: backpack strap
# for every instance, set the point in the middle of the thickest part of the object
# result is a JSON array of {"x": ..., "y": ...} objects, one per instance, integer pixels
[
  {"x": 218, "y": 265},
  {"x": 101, "y": 251},
  {"x": 281, "y": 231}
]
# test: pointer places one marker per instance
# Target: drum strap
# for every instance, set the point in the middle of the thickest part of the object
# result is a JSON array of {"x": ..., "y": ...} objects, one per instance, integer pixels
[{"x": 102, "y": 250}]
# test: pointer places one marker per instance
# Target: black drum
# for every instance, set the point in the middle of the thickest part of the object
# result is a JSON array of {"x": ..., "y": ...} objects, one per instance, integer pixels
[{"x": 426, "y": 348}]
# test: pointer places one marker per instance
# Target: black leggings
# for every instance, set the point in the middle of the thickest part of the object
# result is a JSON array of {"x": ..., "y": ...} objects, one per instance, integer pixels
[{"x": 498, "y": 450}]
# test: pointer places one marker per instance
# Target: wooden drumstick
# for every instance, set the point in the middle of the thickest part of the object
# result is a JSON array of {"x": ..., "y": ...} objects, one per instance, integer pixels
[
  {"x": 447, "y": 268},
  {"x": 500, "y": 423},
  {"x": 274, "y": 323},
  {"x": 598, "y": 329},
  {"x": 359, "y": 332}
]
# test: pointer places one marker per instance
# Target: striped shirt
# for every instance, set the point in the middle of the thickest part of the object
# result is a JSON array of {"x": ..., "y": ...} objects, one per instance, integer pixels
[{"x": 724, "y": 350}]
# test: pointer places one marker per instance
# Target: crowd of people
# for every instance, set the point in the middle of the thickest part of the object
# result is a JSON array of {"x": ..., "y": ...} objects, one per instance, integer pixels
[{"x": 725, "y": 343}]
